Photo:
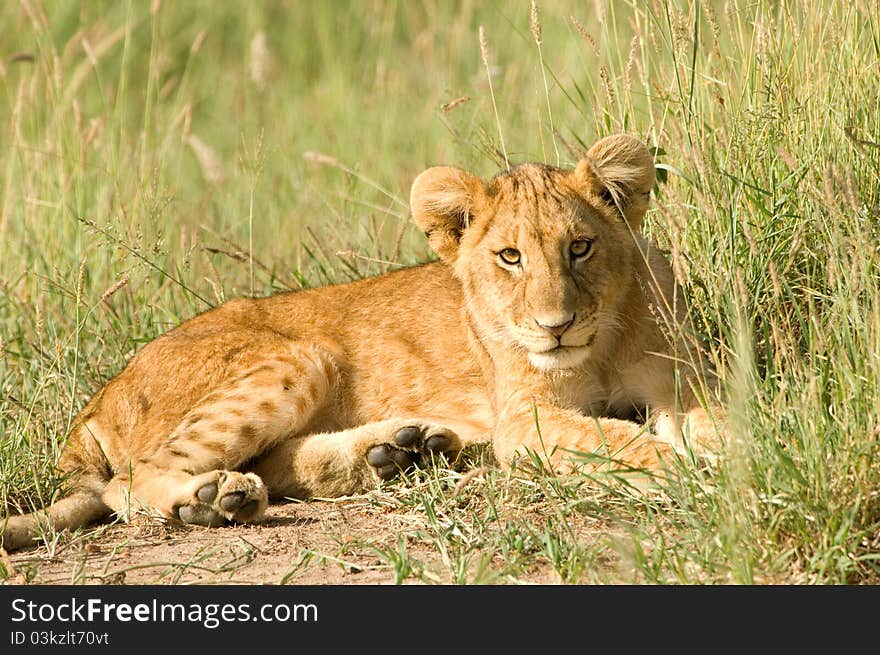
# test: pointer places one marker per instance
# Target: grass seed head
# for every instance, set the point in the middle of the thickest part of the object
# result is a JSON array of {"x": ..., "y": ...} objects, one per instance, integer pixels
[{"x": 535, "y": 22}]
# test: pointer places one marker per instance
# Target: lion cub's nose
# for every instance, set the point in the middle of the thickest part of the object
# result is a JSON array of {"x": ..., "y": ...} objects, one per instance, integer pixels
[{"x": 555, "y": 325}]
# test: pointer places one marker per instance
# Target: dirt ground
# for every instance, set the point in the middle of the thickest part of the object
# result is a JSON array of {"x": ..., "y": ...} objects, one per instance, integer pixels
[
  {"x": 339, "y": 542},
  {"x": 273, "y": 551}
]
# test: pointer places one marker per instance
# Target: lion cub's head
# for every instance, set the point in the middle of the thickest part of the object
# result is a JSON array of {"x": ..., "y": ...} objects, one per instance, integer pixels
[{"x": 544, "y": 255}]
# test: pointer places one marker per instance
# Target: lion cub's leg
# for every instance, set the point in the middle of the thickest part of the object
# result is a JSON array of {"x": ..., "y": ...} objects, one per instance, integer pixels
[
  {"x": 211, "y": 498},
  {"x": 191, "y": 475},
  {"x": 697, "y": 430},
  {"x": 557, "y": 435},
  {"x": 351, "y": 461}
]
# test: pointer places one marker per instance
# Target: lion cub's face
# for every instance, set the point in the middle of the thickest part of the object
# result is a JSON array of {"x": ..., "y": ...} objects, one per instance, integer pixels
[
  {"x": 539, "y": 263},
  {"x": 543, "y": 254}
]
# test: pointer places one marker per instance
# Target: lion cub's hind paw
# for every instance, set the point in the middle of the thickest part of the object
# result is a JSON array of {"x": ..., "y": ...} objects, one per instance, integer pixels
[
  {"x": 221, "y": 497},
  {"x": 411, "y": 444}
]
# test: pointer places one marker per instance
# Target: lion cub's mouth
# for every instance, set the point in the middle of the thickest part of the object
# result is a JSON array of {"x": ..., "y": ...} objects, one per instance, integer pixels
[
  {"x": 559, "y": 357},
  {"x": 553, "y": 354}
]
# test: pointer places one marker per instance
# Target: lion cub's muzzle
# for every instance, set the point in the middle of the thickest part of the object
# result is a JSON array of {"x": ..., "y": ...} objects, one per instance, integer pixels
[
  {"x": 555, "y": 324},
  {"x": 555, "y": 342}
]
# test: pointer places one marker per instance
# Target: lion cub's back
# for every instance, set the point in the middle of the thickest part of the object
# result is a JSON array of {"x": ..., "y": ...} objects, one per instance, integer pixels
[
  {"x": 398, "y": 339},
  {"x": 401, "y": 344}
]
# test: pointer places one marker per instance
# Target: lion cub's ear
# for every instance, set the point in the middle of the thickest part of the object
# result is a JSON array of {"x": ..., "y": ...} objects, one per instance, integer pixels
[
  {"x": 619, "y": 169},
  {"x": 441, "y": 201}
]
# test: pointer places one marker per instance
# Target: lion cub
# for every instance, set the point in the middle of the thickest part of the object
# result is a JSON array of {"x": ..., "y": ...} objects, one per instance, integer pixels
[{"x": 546, "y": 315}]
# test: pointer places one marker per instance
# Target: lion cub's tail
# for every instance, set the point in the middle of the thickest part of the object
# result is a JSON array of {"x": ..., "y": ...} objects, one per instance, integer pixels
[
  {"x": 87, "y": 473},
  {"x": 77, "y": 510}
]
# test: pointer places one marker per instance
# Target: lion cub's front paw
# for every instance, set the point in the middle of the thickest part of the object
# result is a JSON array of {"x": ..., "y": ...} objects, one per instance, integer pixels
[
  {"x": 221, "y": 497},
  {"x": 698, "y": 431},
  {"x": 410, "y": 445}
]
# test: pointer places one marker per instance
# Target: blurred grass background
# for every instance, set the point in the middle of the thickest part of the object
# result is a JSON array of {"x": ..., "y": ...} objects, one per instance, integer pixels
[{"x": 158, "y": 158}]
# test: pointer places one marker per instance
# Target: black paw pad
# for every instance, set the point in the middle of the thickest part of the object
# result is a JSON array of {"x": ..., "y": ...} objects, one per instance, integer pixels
[
  {"x": 232, "y": 501},
  {"x": 408, "y": 437},
  {"x": 379, "y": 455},
  {"x": 207, "y": 493},
  {"x": 388, "y": 460},
  {"x": 387, "y": 472},
  {"x": 401, "y": 458},
  {"x": 200, "y": 515},
  {"x": 247, "y": 510},
  {"x": 437, "y": 444},
  {"x": 385, "y": 454}
]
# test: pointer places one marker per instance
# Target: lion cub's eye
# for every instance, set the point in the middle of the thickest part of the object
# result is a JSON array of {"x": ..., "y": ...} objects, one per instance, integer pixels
[
  {"x": 510, "y": 256},
  {"x": 580, "y": 248}
]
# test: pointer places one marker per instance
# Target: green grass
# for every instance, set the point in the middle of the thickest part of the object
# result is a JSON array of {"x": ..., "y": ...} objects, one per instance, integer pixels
[{"x": 155, "y": 163}]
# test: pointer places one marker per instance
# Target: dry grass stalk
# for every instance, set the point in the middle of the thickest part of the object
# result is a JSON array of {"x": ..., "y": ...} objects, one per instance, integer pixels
[
  {"x": 212, "y": 169},
  {"x": 119, "y": 284},
  {"x": 198, "y": 41},
  {"x": 585, "y": 35},
  {"x": 259, "y": 60},
  {"x": 484, "y": 52},
  {"x": 452, "y": 104}
]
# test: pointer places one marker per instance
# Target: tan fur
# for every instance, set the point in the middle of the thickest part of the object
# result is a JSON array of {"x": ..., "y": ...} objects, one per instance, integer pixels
[{"x": 321, "y": 393}]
